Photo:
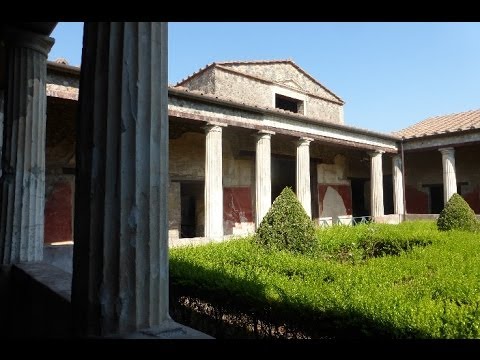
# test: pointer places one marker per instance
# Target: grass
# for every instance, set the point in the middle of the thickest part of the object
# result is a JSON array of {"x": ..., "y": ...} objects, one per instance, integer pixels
[{"x": 400, "y": 281}]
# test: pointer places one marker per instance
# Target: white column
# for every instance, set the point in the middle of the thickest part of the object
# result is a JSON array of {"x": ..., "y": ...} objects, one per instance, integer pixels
[
  {"x": 449, "y": 175},
  {"x": 213, "y": 182},
  {"x": 398, "y": 204},
  {"x": 376, "y": 183},
  {"x": 22, "y": 195},
  {"x": 120, "y": 261},
  {"x": 263, "y": 179},
  {"x": 303, "y": 174}
]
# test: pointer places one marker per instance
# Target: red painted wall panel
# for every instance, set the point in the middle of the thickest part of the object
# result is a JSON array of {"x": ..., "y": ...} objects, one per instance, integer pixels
[
  {"x": 417, "y": 201},
  {"x": 58, "y": 214},
  {"x": 237, "y": 206},
  {"x": 473, "y": 199},
  {"x": 345, "y": 191}
]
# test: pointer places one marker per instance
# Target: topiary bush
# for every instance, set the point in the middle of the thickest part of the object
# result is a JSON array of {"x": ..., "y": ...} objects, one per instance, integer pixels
[
  {"x": 457, "y": 215},
  {"x": 286, "y": 226}
]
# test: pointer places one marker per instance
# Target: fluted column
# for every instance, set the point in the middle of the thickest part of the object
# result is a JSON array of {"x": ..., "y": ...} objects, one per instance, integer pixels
[
  {"x": 2, "y": 119},
  {"x": 398, "y": 204},
  {"x": 376, "y": 183},
  {"x": 213, "y": 182},
  {"x": 263, "y": 179},
  {"x": 23, "y": 164},
  {"x": 449, "y": 175},
  {"x": 120, "y": 263},
  {"x": 303, "y": 174}
]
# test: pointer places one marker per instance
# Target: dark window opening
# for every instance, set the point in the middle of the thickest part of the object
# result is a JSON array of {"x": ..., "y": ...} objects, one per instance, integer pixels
[
  {"x": 358, "y": 197},
  {"x": 283, "y": 174},
  {"x": 436, "y": 198},
  {"x": 288, "y": 103},
  {"x": 192, "y": 203},
  {"x": 388, "y": 194}
]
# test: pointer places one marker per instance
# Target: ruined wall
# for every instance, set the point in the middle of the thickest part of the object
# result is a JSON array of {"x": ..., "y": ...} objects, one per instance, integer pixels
[
  {"x": 425, "y": 167},
  {"x": 204, "y": 83},
  {"x": 187, "y": 157},
  {"x": 334, "y": 190},
  {"x": 467, "y": 164},
  {"x": 422, "y": 167},
  {"x": 283, "y": 73},
  {"x": 187, "y": 164},
  {"x": 59, "y": 170},
  {"x": 62, "y": 85},
  {"x": 238, "y": 183},
  {"x": 250, "y": 91}
]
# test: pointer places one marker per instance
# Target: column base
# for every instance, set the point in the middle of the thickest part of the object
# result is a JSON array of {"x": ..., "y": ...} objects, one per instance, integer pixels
[{"x": 169, "y": 329}]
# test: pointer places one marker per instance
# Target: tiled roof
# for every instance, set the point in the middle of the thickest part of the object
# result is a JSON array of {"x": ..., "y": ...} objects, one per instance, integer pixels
[
  {"x": 442, "y": 124},
  {"x": 257, "y": 62}
]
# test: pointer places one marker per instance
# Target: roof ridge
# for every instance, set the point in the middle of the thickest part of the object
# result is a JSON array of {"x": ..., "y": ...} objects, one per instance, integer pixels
[{"x": 254, "y": 61}]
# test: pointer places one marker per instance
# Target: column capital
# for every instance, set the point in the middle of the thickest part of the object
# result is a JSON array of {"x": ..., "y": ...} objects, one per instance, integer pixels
[
  {"x": 397, "y": 159},
  {"x": 447, "y": 151},
  {"x": 304, "y": 141},
  {"x": 17, "y": 38},
  {"x": 214, "y": 127},
  {"x": 373, "y": 153},
  {"x": 263, "y": 134}
]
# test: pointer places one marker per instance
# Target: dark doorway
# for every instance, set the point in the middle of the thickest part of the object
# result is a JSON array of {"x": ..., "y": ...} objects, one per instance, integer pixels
[
  {"x": 436, "y": 198},
  {"x": 283, "y": 174},
  {"x": 387, "y": 194},
  {"x": 192, "y": 203},
  {"x": 358, "y": 197}
]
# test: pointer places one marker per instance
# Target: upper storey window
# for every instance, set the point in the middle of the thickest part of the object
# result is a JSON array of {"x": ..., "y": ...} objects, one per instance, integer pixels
[{"x": 287, "y": 103}]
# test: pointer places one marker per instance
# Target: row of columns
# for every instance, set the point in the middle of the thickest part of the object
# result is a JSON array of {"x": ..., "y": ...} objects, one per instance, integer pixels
[
  {"x": 263, "y": 188},
  {"x": 376, "y": 196},
  {"x": 120, "y": 264}
]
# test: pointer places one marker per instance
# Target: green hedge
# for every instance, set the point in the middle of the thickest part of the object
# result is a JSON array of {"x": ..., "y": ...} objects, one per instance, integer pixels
[
  {"x": 286, "y": 226},
  {"x": 458, "y": 215},
  {"x": 427, "y": 291}
]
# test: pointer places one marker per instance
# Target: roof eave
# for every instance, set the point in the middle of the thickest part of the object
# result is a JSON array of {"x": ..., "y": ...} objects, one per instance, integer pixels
[{"x": 230, "y": 103}]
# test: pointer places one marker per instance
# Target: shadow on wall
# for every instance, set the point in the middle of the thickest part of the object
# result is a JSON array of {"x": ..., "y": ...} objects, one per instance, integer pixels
[{"x": 35, "y": 299}]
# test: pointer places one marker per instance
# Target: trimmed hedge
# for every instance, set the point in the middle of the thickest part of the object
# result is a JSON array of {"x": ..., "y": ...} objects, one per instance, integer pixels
[
  {"x": 457, "y": 215},
  {"x": 427, "y": 291},
  {"x": 286, "y": 226}
]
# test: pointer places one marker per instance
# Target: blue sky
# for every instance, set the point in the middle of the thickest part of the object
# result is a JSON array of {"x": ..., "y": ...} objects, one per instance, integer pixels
[{"x": 390, "y": 75}]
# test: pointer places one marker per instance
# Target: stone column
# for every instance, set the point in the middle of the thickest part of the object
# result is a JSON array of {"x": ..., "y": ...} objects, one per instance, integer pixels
[
  {"x": 22, "y": 195},
  {"x": 398, "y": 204},
  {"x": 449, "y": 175},
  {"x": 376, "y": 184},
  {"x": 120, "y": 260},
  {"x": 213, "y": 182},
  {"x": 263, "y": 179},
  {"x": 2, "y": 112},
  {"x": 303, "y": 174}
]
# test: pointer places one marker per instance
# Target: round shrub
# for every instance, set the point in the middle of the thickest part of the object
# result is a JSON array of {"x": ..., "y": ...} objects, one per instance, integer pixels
[
  {"x": 457, "y": 215},
  {"x": 286, "y": 226}
]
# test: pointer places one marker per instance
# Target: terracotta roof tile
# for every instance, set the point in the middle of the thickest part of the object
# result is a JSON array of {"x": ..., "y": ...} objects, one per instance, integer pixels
[{"x": 442, "y": 124}]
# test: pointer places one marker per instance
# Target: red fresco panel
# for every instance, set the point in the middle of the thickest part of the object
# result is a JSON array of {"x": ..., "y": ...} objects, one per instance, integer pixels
[
  {"x": 58, "y": 214},
  {"x": 237, "y": 206},
  {"x": 345, "y": 192},
  {"x": 417, "y": 201},
  {"x": 473, "y": 199}
]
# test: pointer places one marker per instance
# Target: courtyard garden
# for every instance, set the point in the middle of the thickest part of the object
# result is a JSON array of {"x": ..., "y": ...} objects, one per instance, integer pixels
[{"x": 410, "y": 280}]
